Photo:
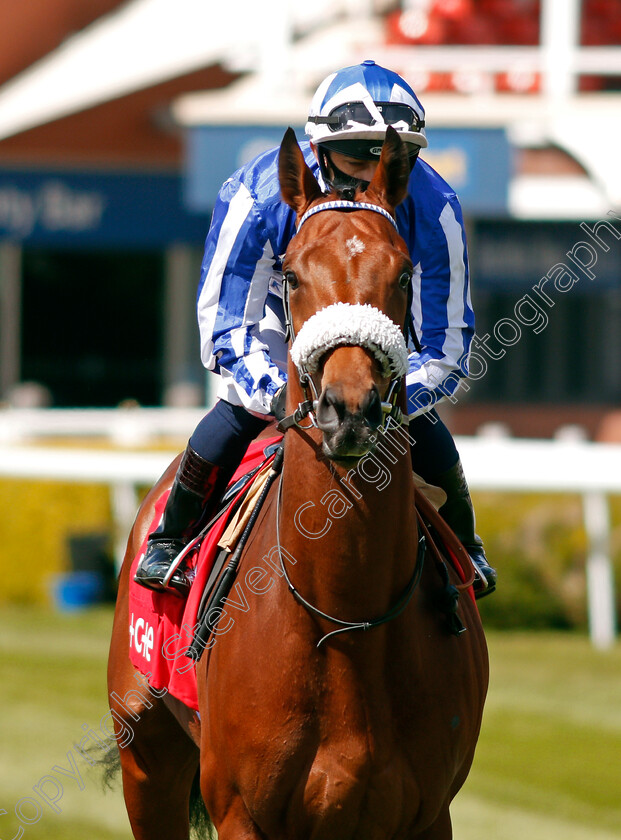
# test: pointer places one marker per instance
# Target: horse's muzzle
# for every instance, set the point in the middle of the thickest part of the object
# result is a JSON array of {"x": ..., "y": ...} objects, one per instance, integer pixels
[{"x": 348, "y": 432}]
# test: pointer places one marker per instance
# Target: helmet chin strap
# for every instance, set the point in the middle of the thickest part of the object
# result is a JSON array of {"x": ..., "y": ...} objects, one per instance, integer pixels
[{"x": 345, "y": 185}]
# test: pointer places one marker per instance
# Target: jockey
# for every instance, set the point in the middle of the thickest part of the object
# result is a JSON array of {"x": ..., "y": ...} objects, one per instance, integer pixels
[{"x": 241, "y": 319}]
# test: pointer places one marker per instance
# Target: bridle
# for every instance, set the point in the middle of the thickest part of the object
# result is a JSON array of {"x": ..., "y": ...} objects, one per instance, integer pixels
[
  {"x": 343, "y": 204},
  {"x": 392, "y": 416},
  {"x": 308, "y": 406}
]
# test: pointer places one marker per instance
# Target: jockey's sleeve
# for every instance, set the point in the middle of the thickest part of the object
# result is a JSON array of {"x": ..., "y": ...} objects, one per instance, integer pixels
[
  {"x": 237, "y": 266},
  {"x": 441, "y": 307}
]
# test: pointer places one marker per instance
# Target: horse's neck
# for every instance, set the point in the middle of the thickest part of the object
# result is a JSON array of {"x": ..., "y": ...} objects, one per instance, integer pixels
[{"x": 354, "y": 530}]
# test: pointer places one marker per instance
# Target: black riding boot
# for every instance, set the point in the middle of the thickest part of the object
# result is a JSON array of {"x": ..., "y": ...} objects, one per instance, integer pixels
[
  {"x": 458, "y": 513},
  {"x": 193, "y": 496}
]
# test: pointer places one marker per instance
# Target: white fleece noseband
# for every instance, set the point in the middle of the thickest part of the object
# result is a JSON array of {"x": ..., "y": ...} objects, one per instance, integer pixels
[{"x": 357, "y": 324}]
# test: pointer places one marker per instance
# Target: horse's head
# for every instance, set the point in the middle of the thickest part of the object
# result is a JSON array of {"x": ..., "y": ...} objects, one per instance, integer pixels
[{"x": 347, "y": 273}]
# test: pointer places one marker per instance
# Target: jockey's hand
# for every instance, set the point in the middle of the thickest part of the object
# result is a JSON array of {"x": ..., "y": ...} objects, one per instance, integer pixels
[{"x": 279, "y": 403}]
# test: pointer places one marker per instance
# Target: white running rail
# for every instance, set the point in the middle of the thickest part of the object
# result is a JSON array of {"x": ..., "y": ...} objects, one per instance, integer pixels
[{"x": 591, "y": 470}]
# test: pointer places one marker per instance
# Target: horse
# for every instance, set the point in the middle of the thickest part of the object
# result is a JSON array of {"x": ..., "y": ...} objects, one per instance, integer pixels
[{"x": 338, "y": 706}]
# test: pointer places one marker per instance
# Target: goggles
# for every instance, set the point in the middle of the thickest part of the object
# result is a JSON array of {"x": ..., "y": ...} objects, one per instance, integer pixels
[{"x": 340, "y": 117}]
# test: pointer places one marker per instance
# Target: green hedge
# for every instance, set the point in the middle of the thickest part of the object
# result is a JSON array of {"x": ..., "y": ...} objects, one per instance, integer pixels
[
  {"x": 36, "y": 521},
  {"x": 535, "y": 541},
  {"x": 538, "y": 545}
]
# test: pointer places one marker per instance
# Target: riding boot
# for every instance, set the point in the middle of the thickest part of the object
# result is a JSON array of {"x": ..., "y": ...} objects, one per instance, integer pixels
[
  {"x": 193, "y": 497},
  {"x": 458, "y": 513}
]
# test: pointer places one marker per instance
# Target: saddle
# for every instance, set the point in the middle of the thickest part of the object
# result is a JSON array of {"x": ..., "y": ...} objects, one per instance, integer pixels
[{"x": 161, "y": 626}]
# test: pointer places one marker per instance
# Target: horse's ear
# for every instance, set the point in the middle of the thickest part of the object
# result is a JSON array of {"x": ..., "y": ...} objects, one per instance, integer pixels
[
  {"x": 390, "y": 182},
  {"x": 298, "y": 185}
]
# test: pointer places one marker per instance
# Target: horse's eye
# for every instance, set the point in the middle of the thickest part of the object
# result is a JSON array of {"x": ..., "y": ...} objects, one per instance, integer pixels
[
  {"x": 404, "y": 280},
  {"x": 290, "y": 277}
]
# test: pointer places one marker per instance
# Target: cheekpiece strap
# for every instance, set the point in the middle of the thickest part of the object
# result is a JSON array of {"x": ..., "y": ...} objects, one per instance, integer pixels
[{"x": 347, "y": 205}]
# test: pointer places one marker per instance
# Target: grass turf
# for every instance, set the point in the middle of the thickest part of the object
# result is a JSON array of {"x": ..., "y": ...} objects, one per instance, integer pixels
[{"x": 548, "y": 764}]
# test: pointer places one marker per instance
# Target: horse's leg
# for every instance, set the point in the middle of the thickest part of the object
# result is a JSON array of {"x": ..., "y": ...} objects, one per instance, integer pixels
[
  {"x": 237, "y": 824},
  {"x": 158, "y": 768},
  {"x": 441, "y": 829}
]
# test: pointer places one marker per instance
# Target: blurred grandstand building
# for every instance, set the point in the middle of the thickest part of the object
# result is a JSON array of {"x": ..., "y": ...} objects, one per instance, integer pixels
[{"x": 119, "y": 119}]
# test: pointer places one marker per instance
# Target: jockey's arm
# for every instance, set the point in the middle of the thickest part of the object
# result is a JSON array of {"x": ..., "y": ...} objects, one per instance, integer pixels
[
  {"x": 441, "y": 308},
  {"x": 238, "y": 264}
]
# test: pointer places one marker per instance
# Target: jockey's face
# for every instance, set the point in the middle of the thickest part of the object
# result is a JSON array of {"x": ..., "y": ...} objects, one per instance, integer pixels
[{"x": 363, "y": 170}]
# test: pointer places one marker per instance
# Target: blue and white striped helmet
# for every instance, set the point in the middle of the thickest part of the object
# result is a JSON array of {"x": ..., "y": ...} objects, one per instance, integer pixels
[{"x": 352, "y": 108}]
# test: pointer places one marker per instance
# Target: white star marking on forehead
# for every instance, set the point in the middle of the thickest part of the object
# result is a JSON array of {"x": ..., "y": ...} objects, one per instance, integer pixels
[{"x": 354, "y": 246}]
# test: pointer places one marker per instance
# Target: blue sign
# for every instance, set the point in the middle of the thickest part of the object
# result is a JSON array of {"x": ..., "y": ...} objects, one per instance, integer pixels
[
  {"x": 96, "y": 209},
  {"x": 514, "y": 256},
  {"x": 475, "y": 162},
  {"x": 214, "y": 152}
]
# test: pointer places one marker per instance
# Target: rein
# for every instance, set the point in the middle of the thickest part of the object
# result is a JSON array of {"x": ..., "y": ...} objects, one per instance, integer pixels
[{"x": 346, "y": 626}]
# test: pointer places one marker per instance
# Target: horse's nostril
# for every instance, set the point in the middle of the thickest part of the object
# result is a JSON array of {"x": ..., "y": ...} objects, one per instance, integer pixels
[
  {"x": 372, "y": 408},
  {"x": 330, "y": 410}
]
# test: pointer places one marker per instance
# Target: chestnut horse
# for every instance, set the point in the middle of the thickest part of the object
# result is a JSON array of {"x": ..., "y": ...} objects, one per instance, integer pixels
[{"x": 368, "y": 732}]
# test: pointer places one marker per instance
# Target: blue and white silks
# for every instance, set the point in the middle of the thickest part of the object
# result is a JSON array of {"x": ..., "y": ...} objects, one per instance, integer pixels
[{"x": 239, "y": 296}]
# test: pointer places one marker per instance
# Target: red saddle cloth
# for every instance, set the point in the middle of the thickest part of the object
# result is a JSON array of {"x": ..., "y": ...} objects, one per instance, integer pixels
[{"x": 161, "y": 625}]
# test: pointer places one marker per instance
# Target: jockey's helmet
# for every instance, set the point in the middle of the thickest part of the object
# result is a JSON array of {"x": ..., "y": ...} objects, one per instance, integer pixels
[{"x": 353, "y": 107}]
